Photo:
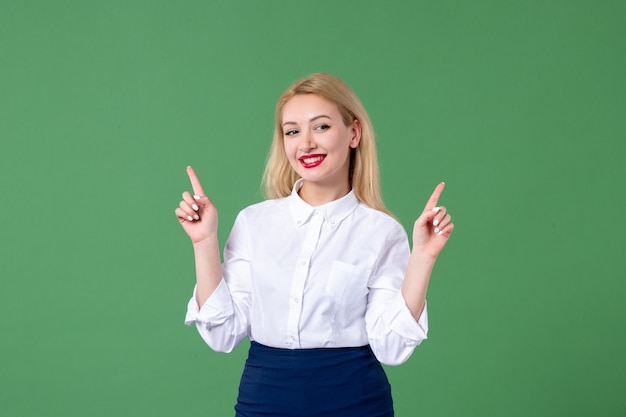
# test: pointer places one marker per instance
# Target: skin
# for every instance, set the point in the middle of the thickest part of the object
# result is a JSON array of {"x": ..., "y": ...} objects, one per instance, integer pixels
[
  {"x": 431, "y": 232},
  {"x": 198, "y": 217},
  {"x": 313, "y": 126}
]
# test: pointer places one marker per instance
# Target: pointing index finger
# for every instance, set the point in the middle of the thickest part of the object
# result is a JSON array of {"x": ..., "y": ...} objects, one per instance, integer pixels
[
  {"x": 434, "y": 198},
  {"x": 195, "y": 182}
]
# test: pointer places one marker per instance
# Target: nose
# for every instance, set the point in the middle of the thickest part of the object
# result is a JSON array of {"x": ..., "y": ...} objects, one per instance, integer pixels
[{"x": 307, "y": 143}]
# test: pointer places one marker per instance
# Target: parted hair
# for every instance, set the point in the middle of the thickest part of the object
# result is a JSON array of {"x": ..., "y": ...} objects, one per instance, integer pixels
[{"x": 364, "y": 177}]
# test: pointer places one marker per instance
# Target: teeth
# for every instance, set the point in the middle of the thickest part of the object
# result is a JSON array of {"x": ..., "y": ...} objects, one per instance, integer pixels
[{"x": 312, "y": 160}]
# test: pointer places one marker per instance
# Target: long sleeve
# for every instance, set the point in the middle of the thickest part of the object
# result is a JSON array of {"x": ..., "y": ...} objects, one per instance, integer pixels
[
  {"x": 392, "y": 331},
  {"x": 223, "y": 320}
]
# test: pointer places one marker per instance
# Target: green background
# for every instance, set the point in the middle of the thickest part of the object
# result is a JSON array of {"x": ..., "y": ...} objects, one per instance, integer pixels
[{"x": 519, "y": 106}]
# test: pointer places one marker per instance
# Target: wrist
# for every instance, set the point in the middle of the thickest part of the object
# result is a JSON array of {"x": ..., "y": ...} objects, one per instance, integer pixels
[
  {"x": 423, "y": 256},
  {"x": 206, "y": 242}
]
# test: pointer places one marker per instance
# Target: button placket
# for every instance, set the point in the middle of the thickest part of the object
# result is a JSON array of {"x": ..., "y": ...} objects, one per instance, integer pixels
[{"x": 301, "y": 274}]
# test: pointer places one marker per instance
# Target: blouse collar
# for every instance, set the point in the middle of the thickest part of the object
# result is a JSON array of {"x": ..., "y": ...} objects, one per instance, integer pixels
[{"x": 333, "y": 212}]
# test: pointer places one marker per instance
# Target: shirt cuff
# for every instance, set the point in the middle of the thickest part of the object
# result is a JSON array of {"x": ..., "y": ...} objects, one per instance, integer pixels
[
  {"x": 412, "y": 331},
  {"x": 215, "y": 311}
]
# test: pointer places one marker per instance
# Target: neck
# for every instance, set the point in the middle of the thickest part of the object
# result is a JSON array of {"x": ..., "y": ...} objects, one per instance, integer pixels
[{"x": 317, "y": 194}]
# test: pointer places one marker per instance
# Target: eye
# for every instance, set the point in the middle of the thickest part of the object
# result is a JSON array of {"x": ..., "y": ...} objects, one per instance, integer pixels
[
  {"x": 290, "y": 132},
  {"x": 322, "y": 127}
]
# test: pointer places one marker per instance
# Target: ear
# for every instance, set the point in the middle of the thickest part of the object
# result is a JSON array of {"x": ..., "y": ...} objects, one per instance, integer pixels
[{"x": 356, "y": 133}]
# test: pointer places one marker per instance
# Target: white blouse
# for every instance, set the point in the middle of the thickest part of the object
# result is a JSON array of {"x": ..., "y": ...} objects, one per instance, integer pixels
[{"x": 297, "y": 277}]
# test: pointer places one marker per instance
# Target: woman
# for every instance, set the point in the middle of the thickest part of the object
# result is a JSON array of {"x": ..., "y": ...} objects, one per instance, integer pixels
[{"x": 319, "y": 276}]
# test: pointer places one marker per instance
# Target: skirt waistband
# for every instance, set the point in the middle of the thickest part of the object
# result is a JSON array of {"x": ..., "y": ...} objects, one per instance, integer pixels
[{"x": 306, "y": 358}]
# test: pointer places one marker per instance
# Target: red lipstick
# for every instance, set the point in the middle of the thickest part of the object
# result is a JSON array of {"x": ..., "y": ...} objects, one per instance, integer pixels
[{"x": 311, "y": 161}]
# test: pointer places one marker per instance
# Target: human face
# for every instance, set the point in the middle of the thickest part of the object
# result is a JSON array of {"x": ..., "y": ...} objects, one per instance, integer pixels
[{"x": 318, "y": 144}]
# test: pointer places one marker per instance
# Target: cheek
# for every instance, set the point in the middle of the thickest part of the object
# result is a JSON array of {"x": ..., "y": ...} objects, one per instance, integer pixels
[
  {"x": 290, "y": 152},
  {"x": 288, "y": 149}
]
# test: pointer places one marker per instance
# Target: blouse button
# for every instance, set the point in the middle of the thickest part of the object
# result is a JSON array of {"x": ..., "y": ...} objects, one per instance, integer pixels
[{"x": 296, "y": 300}]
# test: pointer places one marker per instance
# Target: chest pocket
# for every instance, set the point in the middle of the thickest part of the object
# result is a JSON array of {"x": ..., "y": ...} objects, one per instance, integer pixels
[{"x": 347, "y": 283}]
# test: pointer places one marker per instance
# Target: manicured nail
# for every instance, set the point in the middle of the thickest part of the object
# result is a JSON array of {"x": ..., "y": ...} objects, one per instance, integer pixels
[
  {"x": 436, "y": 209},
  {"x": 197, "y": 197},
  {"x": 440, "y": 232},
  {"x": 190, "y": 218},
  {"x": 196, "y": 217},
  {"x": 195, "y": 207},
  {"x": 437, "y": 230},
  {"x": 435, "y": 222}
]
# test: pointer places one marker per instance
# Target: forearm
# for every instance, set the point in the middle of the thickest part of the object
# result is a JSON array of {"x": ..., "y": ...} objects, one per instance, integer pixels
[
  {"x": 416, "y": 279},
  {"x": 208, "y": 268}
]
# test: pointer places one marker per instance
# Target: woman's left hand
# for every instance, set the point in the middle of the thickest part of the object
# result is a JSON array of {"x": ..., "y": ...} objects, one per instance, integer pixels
[{"x": 433, "y": 227}]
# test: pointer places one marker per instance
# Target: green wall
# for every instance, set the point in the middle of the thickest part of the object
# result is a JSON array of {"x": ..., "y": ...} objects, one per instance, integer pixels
[{"x": 519, "y": 106}]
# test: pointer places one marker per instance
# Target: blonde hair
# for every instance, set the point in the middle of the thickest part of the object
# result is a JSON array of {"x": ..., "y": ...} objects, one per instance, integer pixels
[{"x": 364, "y": 176}]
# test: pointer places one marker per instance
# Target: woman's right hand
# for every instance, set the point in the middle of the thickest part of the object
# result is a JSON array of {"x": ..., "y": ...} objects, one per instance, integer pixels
[{"x": 196, "y": 213}]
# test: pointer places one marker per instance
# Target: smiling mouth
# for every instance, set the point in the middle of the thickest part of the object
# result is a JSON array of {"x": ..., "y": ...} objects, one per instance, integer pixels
[{"x": 311, "y": 161}]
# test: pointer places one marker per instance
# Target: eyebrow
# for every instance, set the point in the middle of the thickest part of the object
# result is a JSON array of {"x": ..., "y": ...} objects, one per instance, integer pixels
[{"x": 312, "y": 119}]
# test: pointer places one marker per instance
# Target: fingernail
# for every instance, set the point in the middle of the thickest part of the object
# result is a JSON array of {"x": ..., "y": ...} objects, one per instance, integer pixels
[
  {"x": 195, "y": 207},
  {"x": 196, "y": 217},
  {"x": 197, "y": 197},
  {"x": 440, "y": 232},
  {"x": 190, "y": 218},
  {"x": 437, "y": 230},
  {"x": 435, "y": 222},
  {"x": 436, "y": 209}
]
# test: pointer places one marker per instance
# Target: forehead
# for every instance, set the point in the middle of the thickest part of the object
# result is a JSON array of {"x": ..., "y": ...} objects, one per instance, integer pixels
[{"x": 304, "y": 107}]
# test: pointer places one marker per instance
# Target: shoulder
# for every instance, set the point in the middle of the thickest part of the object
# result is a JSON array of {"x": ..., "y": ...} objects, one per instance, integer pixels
[
  {"x": 379, "y": 222},
  {"x": 265, "y": 205},
  {"x": 264, "y": 209}
]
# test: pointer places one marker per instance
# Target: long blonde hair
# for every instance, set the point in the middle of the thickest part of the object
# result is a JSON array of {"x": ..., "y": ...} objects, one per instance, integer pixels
[{"x": 364, "y": 176}]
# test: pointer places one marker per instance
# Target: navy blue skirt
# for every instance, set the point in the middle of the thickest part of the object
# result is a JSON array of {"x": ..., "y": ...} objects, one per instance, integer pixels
[{"x": 342, "y": 382}]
